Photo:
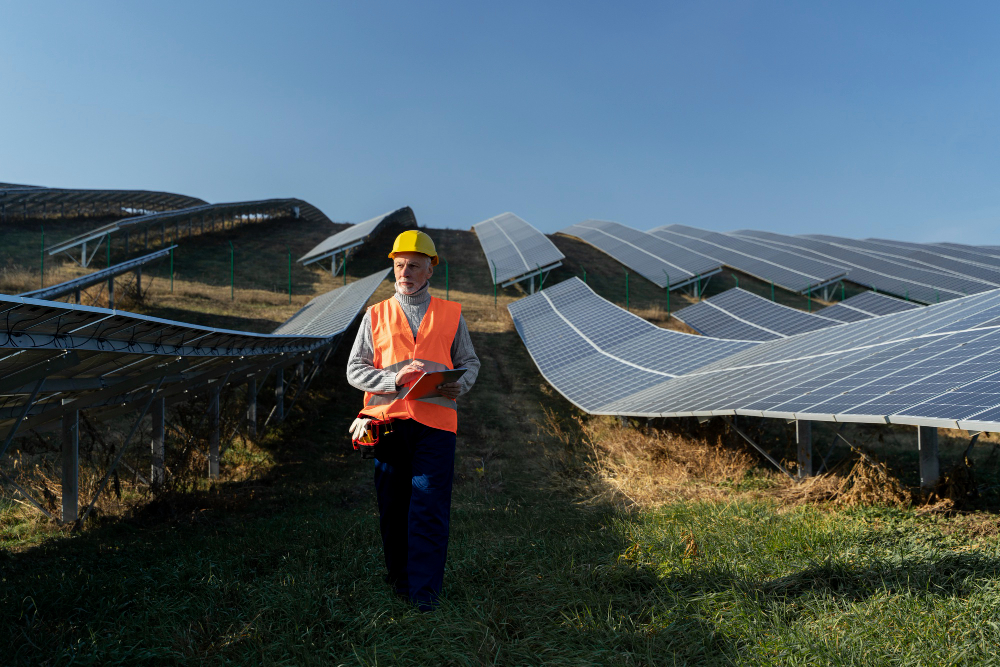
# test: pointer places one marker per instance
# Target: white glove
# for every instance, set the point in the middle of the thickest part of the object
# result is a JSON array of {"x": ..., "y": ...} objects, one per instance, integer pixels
[{"x": 358, "y": 428}]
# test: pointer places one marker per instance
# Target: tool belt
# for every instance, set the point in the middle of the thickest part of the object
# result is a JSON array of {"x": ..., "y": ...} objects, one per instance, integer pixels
[{"x": 373, "y": 432}]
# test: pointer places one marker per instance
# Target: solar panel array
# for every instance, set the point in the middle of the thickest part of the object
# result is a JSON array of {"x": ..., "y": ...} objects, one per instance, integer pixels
[
  {"x": 918, "y": 258},
  {"x": 514, "y": 249},
  {"x": 357, "y": 234},
  {"x": 789, "y": 270},
  {"x": 83, "y": 282},
  {"x": 936, "y": 366},
  {"x": 653, "y": 258},
  {"x": 188, "y": 221},
  {"x": 32, "y": 202},
  {"x": 331, "y": 313},
  {"x": 741, "y": 315},
  {"x": 898, "y": 277},
  {"x": 57, "y": 357},
  {"x": 864, "y": 306},
  {"x": 594, "y": 352}
]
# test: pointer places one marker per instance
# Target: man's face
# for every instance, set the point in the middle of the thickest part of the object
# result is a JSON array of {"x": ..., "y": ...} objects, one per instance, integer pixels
[{"x": 412, "y": 270}]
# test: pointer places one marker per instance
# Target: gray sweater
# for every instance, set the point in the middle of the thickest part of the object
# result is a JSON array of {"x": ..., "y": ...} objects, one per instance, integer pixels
[{"x": 363, "y": 375}]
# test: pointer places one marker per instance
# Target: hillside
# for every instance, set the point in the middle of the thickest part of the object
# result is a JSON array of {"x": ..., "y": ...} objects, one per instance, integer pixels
[{"x": 575, "y": 539}]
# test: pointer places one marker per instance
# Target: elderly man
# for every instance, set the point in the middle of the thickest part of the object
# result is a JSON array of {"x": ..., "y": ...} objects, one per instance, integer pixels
[{"x": 400, "y": 339}]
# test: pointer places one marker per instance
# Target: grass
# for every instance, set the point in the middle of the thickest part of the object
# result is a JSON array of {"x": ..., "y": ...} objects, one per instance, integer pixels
[{"x": 575, "y": 541}]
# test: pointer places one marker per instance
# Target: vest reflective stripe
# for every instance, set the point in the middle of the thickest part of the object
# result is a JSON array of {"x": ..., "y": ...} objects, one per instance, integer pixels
[{"x": 394, "y": 347}]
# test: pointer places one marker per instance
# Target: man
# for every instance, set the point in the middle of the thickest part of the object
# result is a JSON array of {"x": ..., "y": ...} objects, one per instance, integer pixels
[{"x": 400, "y": 339}]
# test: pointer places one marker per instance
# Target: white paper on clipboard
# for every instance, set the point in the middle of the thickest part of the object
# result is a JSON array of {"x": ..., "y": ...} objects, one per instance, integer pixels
[{"x": 426, "y": 386}]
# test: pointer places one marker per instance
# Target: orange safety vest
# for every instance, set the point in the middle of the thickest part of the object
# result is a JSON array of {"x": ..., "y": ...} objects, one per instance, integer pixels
[{"x": 395, "y": 347}]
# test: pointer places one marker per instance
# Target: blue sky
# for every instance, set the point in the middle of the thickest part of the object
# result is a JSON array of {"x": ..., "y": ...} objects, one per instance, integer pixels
[{"x": 865, "y": 119}]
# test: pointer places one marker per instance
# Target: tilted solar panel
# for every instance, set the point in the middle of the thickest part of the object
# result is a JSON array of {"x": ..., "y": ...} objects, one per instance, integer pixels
[
  {"x": 740, "y": 315},
  {"x": 592, "y": 352},
  {"x": 864, "y": 306},
  {"x": 71, "y": 286},
  {"x": 357, "y": 234},
  {"x": 331, "y": 313},
  {"x": 919, "y": 258},
  {"x": 514, "y": 249},
  {"x": 789, "y": 270},
  {"x": 651, "y": 257},
  {"x": 882, "y": 274},
  {"x": 187, "y": 221},
  {"x": 900, "y": 368}
]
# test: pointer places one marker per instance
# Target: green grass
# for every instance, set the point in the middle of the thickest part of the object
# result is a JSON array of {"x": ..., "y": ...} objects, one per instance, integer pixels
[{"x": 279, "y": 563}]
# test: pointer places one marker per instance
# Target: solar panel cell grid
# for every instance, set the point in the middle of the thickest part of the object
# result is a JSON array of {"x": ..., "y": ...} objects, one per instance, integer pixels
[
  {"x": 653, "y": 258},
  {"x": 515, "y": 249},
  {"x": 786, "y": 269}
]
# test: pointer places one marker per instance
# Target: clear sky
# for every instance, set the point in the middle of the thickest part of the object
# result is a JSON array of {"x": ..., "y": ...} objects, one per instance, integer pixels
[{"x": 859, "y": 118}]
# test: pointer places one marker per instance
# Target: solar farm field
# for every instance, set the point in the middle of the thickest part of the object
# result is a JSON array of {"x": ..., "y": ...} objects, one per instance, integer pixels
[{"x": 575, "y": 539}]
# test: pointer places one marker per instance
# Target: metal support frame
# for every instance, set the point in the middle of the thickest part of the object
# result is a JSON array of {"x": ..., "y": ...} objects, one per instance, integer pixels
[
  {"x": 930, "y": 463},
  {"x": 252, "y": 407},
  {"x": 531, "y": 274},
  {"x": 760, "y": 449},
  {"x": 157, "y": 473},
  {"x": 70, "y": 466},
  {"x": 215, "y": 394},
  {"x": 121, "y": 453},
  {"x": 803, "y": 438},
  {"x": 279, "y": 395}
]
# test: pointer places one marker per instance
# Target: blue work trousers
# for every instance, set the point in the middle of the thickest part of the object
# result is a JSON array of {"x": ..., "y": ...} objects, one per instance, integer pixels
[{"x": 414, "y": 470}]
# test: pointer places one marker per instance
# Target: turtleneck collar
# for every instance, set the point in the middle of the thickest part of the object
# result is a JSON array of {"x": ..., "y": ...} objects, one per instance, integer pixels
[{"x": 422, "y": 295}]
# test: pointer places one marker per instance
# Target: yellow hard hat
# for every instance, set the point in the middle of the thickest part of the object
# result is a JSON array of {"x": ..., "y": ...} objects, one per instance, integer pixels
[{"x": 413, "y": 240}]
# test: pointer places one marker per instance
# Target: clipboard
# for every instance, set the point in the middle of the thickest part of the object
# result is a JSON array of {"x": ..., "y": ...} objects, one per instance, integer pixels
[{"x": 426, "y": 385}]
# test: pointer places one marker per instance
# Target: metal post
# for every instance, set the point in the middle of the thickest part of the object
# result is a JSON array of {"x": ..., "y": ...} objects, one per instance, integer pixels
[
  {"x": 157, "y": 413},
  {"x": 107, "y": 237},
  {"x": 252, "y": 407},
  {"x": 171, "y": 270},
  {"x": 842, "y": 291},
  {"x": 626, "y": 290},
  {"x": 77, "y": 292},
  {"x": 345, "y": 268},
  {"x": 213, "y": 443},
  {"x": 138, "y": 283},
  {"x": 42, "y": 271},
  {"x": 232, "y": 272},
  {"x": 585, "y": 276},
  {"x": 930, "y": 464},
  {"x": 803, "y": 436},
  {"x": 772, "y": 291},
  {"x": 737, "y": 279},
  {"x": 494, "y": 283},
  {"x": 111, "y": 292},
  {"x": 289, "y": 275},
  {"x": 279, "y": 394},
  {"x": 531, "y": 284},
  {"x": 70, "y": 466},
  {"x": 809, "y": 302}
]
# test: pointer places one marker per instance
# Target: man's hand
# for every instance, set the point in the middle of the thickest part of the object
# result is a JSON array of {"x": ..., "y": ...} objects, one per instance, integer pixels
[
  {"x": 450, "y": 390},
  {"x": 409, "y": 373}
]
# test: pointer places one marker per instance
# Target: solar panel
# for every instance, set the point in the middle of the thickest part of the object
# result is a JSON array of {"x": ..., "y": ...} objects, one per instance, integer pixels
[
  {"x": 194, "y": 219},
  {"x": 789, "y": 270},
  {"x": 740, "y": 315},
  {"x": 900, "y": 368},
  {"x": 331, "y": 313},
  {"x": 514, "y": 249},
  {"x": 357, "y": 234},
  {"x": 864, "y": 306},
  {"x": 882, "y": 274},
  {"x": 919, "y": 258},
  {"x": 76, "y": 284},
  {"x": 592, "y": 351},
  {"x": 651, "y": 257},
  {"x": 33, "y": 202}
]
